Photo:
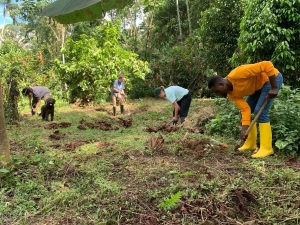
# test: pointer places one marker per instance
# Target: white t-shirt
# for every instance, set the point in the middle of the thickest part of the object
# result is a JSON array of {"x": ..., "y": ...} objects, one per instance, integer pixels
[{"x": 175, "y": 93}]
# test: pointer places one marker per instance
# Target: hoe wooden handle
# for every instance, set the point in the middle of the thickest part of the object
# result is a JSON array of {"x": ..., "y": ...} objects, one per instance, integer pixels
[{"x": 252, "y": 124}]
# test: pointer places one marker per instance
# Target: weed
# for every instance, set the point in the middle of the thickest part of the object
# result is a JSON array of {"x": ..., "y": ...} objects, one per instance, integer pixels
[{"x": 170, "y": 203}]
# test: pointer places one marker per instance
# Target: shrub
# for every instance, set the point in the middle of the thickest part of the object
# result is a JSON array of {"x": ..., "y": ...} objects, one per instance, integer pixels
[{"x": 285, "y": 118}]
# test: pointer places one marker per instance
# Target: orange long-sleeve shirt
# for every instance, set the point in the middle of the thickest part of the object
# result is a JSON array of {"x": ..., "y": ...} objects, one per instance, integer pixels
[{"x": 246, "y": 80}]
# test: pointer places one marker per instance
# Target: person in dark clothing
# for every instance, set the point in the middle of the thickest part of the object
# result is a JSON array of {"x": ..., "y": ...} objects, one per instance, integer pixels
[{"x": 35, "y": 95}]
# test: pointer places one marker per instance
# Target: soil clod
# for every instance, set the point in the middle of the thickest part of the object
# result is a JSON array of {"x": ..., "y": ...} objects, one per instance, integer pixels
[
  {"x": 241, "y": 197},
  {"x": 167, "y": 128},
  {"x": 56, "y": 135}
]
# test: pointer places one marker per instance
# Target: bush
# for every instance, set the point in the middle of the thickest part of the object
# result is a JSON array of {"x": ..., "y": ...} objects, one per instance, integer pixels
[
  {"x": 285, "y": 118},
  {"x": 227, "y": 121}
]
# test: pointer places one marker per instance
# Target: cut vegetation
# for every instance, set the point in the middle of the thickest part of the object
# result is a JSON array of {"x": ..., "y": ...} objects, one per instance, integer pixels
[{"x": 91, "y": 168}]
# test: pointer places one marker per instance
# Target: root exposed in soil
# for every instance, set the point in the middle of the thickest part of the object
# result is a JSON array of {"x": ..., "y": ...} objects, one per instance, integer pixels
[{"x": 241, "y": 197}]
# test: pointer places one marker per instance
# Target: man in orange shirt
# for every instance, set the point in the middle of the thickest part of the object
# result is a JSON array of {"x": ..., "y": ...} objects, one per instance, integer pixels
[{"x": 256, "y": 81}]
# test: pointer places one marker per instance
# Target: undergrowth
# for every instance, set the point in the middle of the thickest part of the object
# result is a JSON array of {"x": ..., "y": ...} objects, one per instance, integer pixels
[{"x": 125, "y": 183}]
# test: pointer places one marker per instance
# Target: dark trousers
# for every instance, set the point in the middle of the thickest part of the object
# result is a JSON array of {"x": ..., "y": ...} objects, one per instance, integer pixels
[{"x": 184, "y": 105}]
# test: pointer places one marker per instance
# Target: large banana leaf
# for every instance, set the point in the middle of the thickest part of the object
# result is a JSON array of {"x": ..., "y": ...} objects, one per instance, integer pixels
[{"x": 73, "y": 11}]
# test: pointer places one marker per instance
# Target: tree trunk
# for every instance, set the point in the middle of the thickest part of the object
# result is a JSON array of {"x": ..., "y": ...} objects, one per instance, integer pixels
[
  {"x": 188, "y": 15},
  {"x": 179, "y": 23},
  {"x": 4, "y": 144},
  {"x": 148, "y": 35}
]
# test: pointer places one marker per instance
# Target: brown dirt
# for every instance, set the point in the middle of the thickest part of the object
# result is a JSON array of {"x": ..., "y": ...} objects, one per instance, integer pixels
[
  {"x": 292, "y": 161},
  {"x": 105, "y": 144},
  {"x": 196, "y": 130},
  {"x": 102, "y": 125},
  {"x": 167, "y": 128},
  {"x": 199, "y": 148},
  {"x": 125, "y": 123},
  {"x": 241, "y": 197},
  {"x": 72, "y": 145},
  {"x": 57, "y": 135},
  {"x": 57, "y": 125}
]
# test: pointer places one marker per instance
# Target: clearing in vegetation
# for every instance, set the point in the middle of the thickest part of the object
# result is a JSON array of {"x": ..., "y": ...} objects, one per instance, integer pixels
[{"x": 88, "y": 167}]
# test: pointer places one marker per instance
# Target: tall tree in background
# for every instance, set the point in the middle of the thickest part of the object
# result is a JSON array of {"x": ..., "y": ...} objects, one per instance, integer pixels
[
  {"x": 178, "y": 19},
  {"x": 219, "y": 31},
  {"x": 188, "y": 16},
  {"x": 270, "y": 30}
]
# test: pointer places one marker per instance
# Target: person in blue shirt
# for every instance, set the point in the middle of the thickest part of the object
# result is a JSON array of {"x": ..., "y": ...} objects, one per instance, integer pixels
[
  {"x": 117, "y": 91},
  {"x": 179, "y": 97}
]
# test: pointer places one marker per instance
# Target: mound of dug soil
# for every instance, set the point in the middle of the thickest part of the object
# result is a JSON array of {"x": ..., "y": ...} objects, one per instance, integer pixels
[
  {"x": 102, "y": 125},
  {"x": 198, "y": 148},
  {"x": 57, "y": 125},
  {"x": 167, "y": 128}
]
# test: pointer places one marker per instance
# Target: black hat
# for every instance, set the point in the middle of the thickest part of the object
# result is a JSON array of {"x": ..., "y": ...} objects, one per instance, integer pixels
[
  {"x": 157, "y": 91},
  {"x": 26, "y": 90}
]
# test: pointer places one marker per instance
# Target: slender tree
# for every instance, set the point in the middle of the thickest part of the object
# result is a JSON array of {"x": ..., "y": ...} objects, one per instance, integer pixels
[
  {"x": 188, "y": 16},
  {"x": 179, "y": 22},
  {"x": 4, "y": 144}
]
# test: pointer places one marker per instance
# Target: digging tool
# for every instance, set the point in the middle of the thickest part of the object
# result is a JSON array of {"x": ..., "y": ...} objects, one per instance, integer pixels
[
  {"x": 126, "y": 106},
  {"x": 171, "y": 121},
  {"x": 252, "y": 124}
]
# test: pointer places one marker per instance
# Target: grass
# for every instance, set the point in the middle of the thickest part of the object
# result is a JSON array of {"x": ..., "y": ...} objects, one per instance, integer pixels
[{"x": 114, "y": 177}]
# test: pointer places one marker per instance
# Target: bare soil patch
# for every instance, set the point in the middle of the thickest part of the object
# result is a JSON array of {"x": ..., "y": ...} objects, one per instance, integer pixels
[
  {"x": 166, "y": 128},
  {"x": 57, "y": 125}
]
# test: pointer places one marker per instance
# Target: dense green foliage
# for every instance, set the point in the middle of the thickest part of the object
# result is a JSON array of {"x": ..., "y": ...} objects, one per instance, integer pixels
[
  {"x": 285, "y": 116},
  {"x": 270, "y": 30},
  {"x": 219, "y": 31},
  {"x": 19, "y": 73},
  {"x": 93, "y": 63}
]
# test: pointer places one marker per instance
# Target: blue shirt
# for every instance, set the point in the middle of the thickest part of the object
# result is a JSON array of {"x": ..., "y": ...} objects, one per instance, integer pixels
[{"x": 119, "y": 85}]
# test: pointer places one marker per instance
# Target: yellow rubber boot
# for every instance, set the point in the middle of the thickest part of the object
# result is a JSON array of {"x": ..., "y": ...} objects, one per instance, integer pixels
[
  {"x": 265, "y": 134},
  {"x": 250, "y": 143}
]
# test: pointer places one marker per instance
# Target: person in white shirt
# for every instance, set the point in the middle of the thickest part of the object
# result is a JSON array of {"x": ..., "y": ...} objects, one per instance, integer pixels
[{"x": 179, "y": 97}]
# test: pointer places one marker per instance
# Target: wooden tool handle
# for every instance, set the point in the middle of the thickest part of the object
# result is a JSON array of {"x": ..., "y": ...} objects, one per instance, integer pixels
[{"x": 252, "y": 123}]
